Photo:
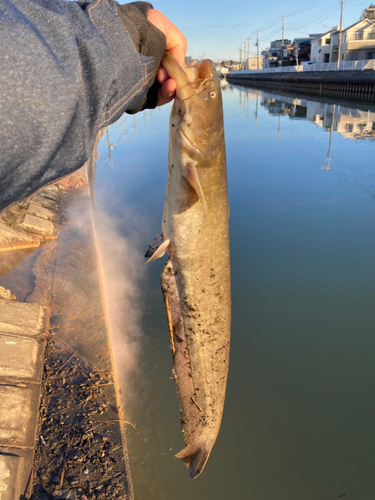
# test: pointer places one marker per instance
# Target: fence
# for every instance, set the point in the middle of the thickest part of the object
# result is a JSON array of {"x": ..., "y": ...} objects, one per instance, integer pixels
[{"x": 343, "y": 66}]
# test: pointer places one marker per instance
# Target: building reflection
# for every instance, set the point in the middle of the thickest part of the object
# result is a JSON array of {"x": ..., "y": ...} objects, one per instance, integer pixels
[{"x": 351, "y": 123}]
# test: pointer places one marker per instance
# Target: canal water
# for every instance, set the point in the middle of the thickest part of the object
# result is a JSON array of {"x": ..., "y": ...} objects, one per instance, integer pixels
[{"x": 300, "y": 409}]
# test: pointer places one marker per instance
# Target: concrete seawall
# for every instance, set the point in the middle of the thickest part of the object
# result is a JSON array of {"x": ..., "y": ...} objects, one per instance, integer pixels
[{"x": 348, "y": 85}]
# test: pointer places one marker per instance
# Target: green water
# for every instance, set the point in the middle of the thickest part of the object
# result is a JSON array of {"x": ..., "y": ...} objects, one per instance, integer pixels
[{"x": 300, "y": 412}]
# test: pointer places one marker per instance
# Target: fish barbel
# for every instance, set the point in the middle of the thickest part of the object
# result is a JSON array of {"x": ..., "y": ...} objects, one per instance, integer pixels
[{"x": 196, "y": 278}]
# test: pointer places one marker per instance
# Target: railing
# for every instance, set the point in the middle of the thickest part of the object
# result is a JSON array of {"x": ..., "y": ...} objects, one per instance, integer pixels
[{"x": 344, "y": 66}]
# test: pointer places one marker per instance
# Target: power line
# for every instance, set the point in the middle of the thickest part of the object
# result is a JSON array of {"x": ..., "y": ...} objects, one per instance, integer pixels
[
  {"x": 305, "y": 8},
  {"x": 331, "y": 9}
]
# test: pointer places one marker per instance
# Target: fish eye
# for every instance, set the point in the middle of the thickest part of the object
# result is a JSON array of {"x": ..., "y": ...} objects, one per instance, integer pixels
[{"x": 213, "y": 94}]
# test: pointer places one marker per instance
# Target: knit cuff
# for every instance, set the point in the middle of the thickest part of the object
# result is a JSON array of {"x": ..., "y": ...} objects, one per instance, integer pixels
[{"x": 148, "y": 40}]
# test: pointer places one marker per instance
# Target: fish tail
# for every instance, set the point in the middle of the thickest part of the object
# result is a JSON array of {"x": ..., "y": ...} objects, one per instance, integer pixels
[{"x": 195, "y": 457}]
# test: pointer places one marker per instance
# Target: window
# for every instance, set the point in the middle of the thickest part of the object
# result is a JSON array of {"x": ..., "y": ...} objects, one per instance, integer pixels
[
  {"x": 371, "y": 36},
  {"x": 361, "y": 127},
  {"x": 349, "y": 127},
  {"x": 327, "y": 41},
  {"x": 370, "y": 55}
]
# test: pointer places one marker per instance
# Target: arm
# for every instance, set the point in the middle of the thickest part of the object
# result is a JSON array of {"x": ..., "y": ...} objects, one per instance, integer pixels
[{"x": 66, "y": 70}]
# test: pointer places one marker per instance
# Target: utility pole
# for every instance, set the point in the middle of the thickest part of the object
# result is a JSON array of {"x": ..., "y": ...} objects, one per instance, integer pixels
[
  {"x": 282, "y": 42},
  {"x": 257, "y": 49},
  {"x": 340, "y": 33},
  {"x": 248, "y": 51},
  {"x": 327, "y": 166},
  {"x": 240, "y": 54},
  {"x": 282, "y": 38}
]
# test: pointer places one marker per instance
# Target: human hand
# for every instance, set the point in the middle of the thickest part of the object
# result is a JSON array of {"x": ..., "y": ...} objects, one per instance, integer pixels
[{"x": 177, "y": 44}]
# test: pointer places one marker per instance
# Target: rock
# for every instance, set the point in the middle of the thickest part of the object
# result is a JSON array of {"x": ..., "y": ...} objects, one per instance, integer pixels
[{"x": 6, "y": 294}]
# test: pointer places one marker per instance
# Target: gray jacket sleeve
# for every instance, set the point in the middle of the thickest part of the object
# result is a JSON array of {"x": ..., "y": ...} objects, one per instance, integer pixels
[{"x": 67, "y": 69}]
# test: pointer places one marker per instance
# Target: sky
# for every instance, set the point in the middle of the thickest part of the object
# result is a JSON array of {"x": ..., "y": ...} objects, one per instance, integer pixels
[{"x": 217, "y": 29}]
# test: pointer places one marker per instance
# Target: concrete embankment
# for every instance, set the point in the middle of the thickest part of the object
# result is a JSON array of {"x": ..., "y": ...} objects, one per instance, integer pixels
[
  {"x": 23, "y": 329},
  {"x": 61, "y": 427},
  {"x": 348, "y": 85}
]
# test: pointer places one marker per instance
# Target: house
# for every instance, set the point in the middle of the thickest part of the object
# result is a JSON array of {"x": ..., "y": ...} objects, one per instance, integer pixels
[
  {"x": 221, "y": 70},
  {"x": 273, "y": 57},
  {"x": 321, "y": 46},
  {"x": 358, "y": 41},
  {"x": 301, "y": 49},
  {"x": 254, "y": 63}
]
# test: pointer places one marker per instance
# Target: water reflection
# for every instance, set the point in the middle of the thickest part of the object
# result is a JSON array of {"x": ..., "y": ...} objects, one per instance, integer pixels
[{"x": 351, "y": 123}]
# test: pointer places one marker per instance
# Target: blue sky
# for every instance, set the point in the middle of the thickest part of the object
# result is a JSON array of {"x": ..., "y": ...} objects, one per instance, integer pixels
[{"x": 217, "y": 29}]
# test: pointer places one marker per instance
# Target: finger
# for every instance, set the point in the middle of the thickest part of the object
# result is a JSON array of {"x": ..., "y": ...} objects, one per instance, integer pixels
[
  {"x": 175, "y": 40},
  {"x": 161, "y": 76},
  {"x": 177, "y": 46},
  {"x": 166, "y": 92}
]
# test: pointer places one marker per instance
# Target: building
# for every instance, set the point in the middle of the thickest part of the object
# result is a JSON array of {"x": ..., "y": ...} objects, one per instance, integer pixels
[
  {"x": 321, "y": 46},
  {"x": 222, "y": 70},
  {"x": 254, "y": 63},
  {"x": 357, "y": 41},
  {"x": 351, "y": 123},
  {"x": 273, "y": 57},
  {"x": 301, "y": 49}
]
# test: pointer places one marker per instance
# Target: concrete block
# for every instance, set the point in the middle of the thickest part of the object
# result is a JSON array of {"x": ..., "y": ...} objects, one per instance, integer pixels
[
  {"x": 38, "y": 199},
  {"x": 37, "y": 225},
  {"x": 22, "y": 318},
  {"x": 38, "y": 211},
  {"x": 14, "y": 238},
  {"x": 49, "y": 193},
  {"x": 18, "y": 415},
  {"x": 52, "y": 187},
  {"x": 15, "y": 471},
  {"x": 20, "y": 357}
]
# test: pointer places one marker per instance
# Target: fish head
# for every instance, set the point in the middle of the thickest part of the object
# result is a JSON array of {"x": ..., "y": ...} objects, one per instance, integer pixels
[
  {"x": 204, "y": 109},
  {"x": 197, "y": 114}
]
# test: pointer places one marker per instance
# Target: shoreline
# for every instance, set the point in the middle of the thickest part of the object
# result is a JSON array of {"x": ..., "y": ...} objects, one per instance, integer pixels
[
  {"x": 78, "y": 357},
  {"x": 346, "y": 85}
]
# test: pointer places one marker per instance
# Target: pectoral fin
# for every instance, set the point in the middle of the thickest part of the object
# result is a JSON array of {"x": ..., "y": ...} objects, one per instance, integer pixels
[
  {"x": 159, "y": 251},
  {"x": 155, "y": 244},
  {"x": 191, "y": 175}
]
